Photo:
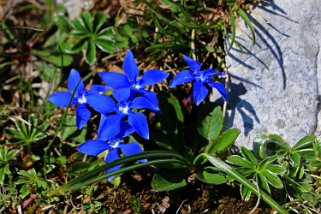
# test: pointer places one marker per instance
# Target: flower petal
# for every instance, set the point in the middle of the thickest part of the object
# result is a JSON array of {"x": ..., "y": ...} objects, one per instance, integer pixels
[
  {"x": 82, "y": 115},
  {"x": 93, "y": 147},
  {"x": 62, "y": 99},
  {"x": 182, "y": 77},
  {"x": 152, "y": 77},
  {"x": 199, "y": 92},
  {"x": 115, "y": 80},
  {"x": 96, "y": 89},
  {"x": 211, "y": 72},
  {"x": 103, "y": 118},
  {"x": 151, "y": 96},
  {"x": 130, "y": 66},
  {"x": 75, "y": 81},
  {"x": 125, "y": 130},
  {"x": 142, "y": 102},
  {"x": 121, "y": 94},
  {"x": 101, "y": 103},
  {"x": 195, "y": 66},
  {"x": 130, "y": 149},
  {"x": 139, "y": 122},
  {"x": 110, "y": 127},
  {"x": 220, "y": 88},
  {"x": 111, "y": 156}
]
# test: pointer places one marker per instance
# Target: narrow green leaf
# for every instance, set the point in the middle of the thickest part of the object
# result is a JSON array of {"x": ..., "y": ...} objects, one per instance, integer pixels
[
  {"x": 237, "y": 176},
  {"x": 105, "y": 45},
  {"x": 172, "y": 5},
  {"x": 305, "y": 143},
  {"x": 233, "y": 25},
  {"x": 99, "y": 20},
  {"x": 262, "y": 182},
  {"x": 90, "y": 53},
  {"x": 79, "y": 45},
  {"x": 12, "y": 153},
  {"x": 106, "y": 33},
  {"x": 245, "y": 193},
  {"x": 248, "y": 155},
  {"x": 239, "y": 161},
  {"x": 87, "y": 21},
  {"x": 273, "y": 179},
  {"x": 275, "y": 168},
  {"x": 2, "y": 174},
  {"x": 247, "y": 20},
  {"x": 79, "y": 26}
]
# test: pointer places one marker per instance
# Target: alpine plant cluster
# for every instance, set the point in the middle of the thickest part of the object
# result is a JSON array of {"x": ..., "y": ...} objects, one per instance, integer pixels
[{"x": 120, "y": 114}]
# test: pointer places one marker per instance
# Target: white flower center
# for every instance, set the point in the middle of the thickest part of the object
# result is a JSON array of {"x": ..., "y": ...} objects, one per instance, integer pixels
[
  {"x": 124, "y": 109},
  {"x": 115, "y": 145},
  {"x": 137, "y": 86},
  {"x": 82, "y": 99}
]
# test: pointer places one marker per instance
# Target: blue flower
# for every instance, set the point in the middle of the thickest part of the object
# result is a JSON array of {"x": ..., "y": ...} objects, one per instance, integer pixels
[
  {"x": 125, "y": 111},
  {"x": 128, "y": 84},
  {"x": 200, "y": 79},
  {"x": 114, "y": 146},
  {"x": 83, "y": 98}
]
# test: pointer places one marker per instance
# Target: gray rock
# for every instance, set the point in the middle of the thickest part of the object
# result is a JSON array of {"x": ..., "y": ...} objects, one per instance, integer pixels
[
  {"x": 275, "y": 84},
  {"x": 74, "y": 7}
]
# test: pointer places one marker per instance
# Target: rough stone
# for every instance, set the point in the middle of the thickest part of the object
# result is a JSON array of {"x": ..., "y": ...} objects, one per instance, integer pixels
[{"x": 275, "y": 83}]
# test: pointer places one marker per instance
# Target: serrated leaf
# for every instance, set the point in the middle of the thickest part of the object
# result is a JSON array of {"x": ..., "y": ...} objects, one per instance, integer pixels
[
  {"x": 167, "y": 181},
  {"x": 223, "y": 142}
]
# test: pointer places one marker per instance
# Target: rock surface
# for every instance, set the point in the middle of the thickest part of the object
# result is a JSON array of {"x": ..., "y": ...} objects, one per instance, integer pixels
[{"x": 275, "y": 84}]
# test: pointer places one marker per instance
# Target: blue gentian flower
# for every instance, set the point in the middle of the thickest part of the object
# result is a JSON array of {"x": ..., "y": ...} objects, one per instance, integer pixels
[
  {"x": 200, "y": 79},
  {"x": 114, "y": 146},
  {"x": 125, "y": 111},
  {"x": 129, "y": 84},
  {"x": 83, "y": 98}
]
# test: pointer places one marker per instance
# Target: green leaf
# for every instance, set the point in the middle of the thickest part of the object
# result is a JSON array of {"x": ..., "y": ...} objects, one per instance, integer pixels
[
  {"x": 173, "y": 6},
  {"x": 79, "y": 26},
  {"x": 12, "y": 153},
  {"x": 245, "y": 193},
  {"x": 169, "y": 180},
  {"x": 248, "y": 155},
  {"x": 211, "y": 126},
  {"x": 247, "y": 20},
  {"x": 275, "y": 168},
  {"x": 262, "y": 182},
  {"x": 273, "y": 179},
  {"x": 211, "y": 178},
  {"x": 54, "y": 57},
  {"x": 239, "y": 161},
  {"x": 105, "y": 45},
  {"x": 62, "y": 22},
  {"x": 223, "y": 142},
  {"x": 87, "y": 20},
  {"x": 70, "y": 130},
  {"x": 99, "y": 20},
  {"x": 242, "y": 180},
  {"x": 79, "y": 45},
  {"x": 2, "y": 175},
  {"x": 90, "y": 53},
  {"x": 106, "y": 33},
  {"x": 233, "y": 25}
]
